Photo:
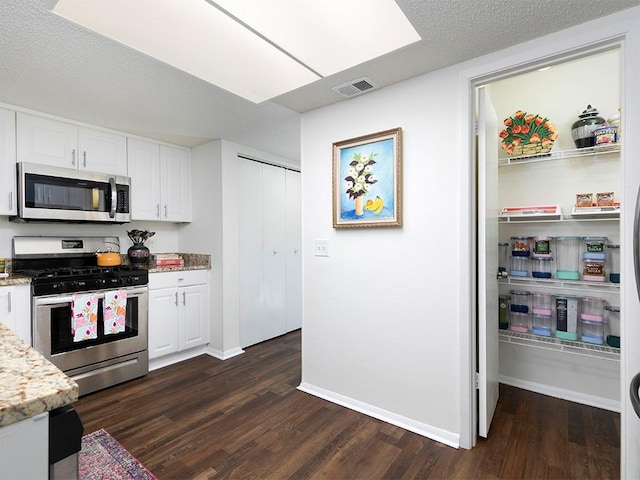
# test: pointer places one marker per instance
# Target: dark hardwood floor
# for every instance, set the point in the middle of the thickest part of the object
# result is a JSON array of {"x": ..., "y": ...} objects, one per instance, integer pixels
[{"x": 244, "y": 418}]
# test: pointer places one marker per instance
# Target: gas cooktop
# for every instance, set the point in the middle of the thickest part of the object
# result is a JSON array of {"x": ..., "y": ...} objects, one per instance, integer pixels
[{"x": 68, "y": 264}]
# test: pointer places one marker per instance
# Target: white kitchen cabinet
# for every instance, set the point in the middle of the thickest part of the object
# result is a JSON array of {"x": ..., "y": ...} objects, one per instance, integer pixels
[
  {"x": 160, "y": 181},
  {"x": 8, "y": 184},
  {"x": 15, "y": 310},
  {"x": 53, "y": 142},
  {"x": 178, "y": 312},
  {"x": 24, "y": 449},
  {"x": 269, "y": 261}
]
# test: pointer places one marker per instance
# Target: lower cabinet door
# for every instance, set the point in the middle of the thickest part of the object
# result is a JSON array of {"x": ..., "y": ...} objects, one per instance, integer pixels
[
  {"x": 163, "y": 322},
  {"x": 194, "y": 324}
]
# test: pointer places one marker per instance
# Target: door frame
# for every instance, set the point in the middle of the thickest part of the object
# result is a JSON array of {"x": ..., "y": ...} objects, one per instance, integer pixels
[{"x": 618, "y": 29}]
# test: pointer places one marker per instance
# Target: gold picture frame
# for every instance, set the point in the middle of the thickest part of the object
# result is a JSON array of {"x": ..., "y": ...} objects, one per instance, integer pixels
[{"x": 367, "y": 180}]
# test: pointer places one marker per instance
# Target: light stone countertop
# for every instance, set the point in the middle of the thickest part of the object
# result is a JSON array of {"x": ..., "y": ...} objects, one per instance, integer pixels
[
  {"x": 29, "y": 383},
  {"x": 14, "y": 279}
]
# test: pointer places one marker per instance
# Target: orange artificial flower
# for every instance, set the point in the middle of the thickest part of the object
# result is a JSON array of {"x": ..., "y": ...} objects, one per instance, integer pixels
[
  {"x": 504, "y": 134},
  {"x": 528, "y": 118},
  {"x": 508, "y": 122},
  {"x": 516, "y": 128},
  {"x": 535, "y": 138},
  {"x": 525, "y": 129},
  {"x": 519, "y": 114}
]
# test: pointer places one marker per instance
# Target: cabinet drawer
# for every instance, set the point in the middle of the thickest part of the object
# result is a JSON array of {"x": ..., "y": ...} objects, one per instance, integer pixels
[{"x": 177, "y": 279}]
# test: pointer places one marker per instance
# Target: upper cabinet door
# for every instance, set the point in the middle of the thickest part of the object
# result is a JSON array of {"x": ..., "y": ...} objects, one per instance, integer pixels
[
  {"x": 144, "y": 170},
  {"x": 102, "y": 151},
  {"x": 8, "y": 193},
  {"x": 46, "y": 141},
  {"x": 175, "y": 179},
  {"x": 294, "y": 251}
]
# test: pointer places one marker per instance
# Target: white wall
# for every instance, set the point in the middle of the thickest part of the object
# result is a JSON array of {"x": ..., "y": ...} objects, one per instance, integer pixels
[
  {"x": 380, "y": 313},
  {"x": 387, "y": 318}
]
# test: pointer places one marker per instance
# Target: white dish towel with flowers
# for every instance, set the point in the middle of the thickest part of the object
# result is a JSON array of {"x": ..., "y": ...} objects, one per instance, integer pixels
[
  {"x": 84, "y": 317},
  {"x": 114, "y": 311}
]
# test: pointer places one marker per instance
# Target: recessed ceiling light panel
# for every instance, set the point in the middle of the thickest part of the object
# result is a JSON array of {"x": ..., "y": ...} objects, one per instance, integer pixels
[
  {"x": 328, "y": 35},
  {"x": 197, "y": 38}
]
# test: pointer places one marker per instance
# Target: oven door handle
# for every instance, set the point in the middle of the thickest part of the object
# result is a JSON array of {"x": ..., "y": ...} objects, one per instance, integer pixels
[{"x": 69, "y": 298}]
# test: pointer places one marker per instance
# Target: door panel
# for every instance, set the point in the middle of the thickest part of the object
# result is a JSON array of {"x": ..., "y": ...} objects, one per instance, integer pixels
[{"x": 488, "y": 209}]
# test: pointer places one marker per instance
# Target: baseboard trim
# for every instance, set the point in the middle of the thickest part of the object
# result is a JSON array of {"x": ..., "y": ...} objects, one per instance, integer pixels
[
  {"x": 172, "y": 358},
  {"x": 224, "y": 355},
  {"x": 448, "y": 438},
  {"x": 583, "y": 398}
]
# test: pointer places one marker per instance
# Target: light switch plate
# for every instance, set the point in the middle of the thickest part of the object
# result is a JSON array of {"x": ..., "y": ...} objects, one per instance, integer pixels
[{"x": 322, "y": 247}]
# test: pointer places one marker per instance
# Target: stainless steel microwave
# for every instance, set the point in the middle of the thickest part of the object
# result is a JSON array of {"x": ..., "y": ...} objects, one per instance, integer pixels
[{"x": 62, "y": 194}]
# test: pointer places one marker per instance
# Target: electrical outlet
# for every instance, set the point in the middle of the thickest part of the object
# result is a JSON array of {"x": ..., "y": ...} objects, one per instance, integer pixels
[{"x": 322, "y": 247}]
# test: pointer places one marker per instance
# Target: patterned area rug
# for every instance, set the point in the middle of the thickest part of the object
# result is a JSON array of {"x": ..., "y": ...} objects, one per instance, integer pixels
[{"x": 103, "y": 458}]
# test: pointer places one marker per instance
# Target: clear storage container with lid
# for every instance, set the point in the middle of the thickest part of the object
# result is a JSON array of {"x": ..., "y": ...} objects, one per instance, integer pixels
[
  {"x": 568, "y": 257},
  {"x": 613, "y": 263},
  {"x": 541, "y": 267},
  {"x": 521, "y": 246},
  {"x": 592, "y": 332},
  {"x": 593, "y": 248},
  {"x": 520, "y": 301},
  {"x": 542, "y": 247},
  {"x": 612, "y": 319},
  {"x": 503, "y": 258},
  {"x": 541, "y": 325},
  {"x": 520, "y": 267},
  {"x": 593, "y": 270},
  {"x": 592, "y": 309},
  {"x": 542, "y": 303},
  {"x": 519, "y": 322}
]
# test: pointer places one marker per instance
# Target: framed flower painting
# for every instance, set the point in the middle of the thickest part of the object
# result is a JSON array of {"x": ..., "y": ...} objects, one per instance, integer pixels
[{"x": 367, "y": 176}]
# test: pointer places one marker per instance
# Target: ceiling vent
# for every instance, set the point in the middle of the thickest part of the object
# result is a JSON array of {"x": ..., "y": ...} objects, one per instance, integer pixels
[{"x": 355, "y": 87}]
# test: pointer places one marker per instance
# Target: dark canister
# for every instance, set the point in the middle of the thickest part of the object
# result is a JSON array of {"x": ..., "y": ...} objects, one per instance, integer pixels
[{"x": 582, "y": 130}]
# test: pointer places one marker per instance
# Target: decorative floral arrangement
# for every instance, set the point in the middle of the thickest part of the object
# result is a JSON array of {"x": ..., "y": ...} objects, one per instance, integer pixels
[
  {"x": 359, "y": 176},
  {"x": 527, "y": 134}
]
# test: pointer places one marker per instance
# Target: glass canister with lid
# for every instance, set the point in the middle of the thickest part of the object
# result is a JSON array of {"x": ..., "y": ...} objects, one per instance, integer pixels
[
  {"x": 521, "y": 246},
  {"x": 542, "y": 247},
  {"x": 594, "y": 248}
]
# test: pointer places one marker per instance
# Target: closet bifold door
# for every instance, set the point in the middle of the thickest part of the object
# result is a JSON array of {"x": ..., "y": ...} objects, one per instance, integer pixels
[{"x": 262, "y": 256}]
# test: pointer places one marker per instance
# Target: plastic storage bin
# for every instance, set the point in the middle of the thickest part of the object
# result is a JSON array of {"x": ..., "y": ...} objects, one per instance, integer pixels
[
  {"x": 521, "y": 246},
  {"x": 541, "y": 325},
  {"x": 612, "y": 320},
  {"x": 592, "y": 332},
  {"x": 613, "y": 263},
  {"x": 542, "y": 247},
  {"x": 541, "y": 267},
  {"x": 594, "y": 248},
  {"x": 520, "y": 267},
  {"x": 568, "y": 257},
  {"x": 504, "y": 306},
  {"x": 592, "y": 309},
  {"x": 567, "y": 317},
  {"x": 542, "y": 303},
  {"x": 593, "y": 270},
  {"x": 520, "y": 301},
  {"x": 519, "y": 322}
]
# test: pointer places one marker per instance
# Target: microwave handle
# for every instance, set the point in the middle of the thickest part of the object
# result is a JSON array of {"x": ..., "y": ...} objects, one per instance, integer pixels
[{"x": 114, "y": 197}]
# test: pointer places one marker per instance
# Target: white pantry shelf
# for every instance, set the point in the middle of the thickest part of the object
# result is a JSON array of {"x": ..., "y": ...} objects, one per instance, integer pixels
[
  {"x": 554, "y": 283},
  {"x": 561, "y": 154},
  {"x": 604, "y": 352}
]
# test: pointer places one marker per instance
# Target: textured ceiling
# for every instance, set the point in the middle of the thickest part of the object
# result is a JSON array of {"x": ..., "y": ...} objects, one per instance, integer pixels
[{"x": 51, "y": 65}]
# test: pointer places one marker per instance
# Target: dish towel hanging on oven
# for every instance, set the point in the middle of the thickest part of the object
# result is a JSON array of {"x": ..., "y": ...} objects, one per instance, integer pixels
[
  {"x": 84, "y": 317},
  {"x": 114, "y": 310}
]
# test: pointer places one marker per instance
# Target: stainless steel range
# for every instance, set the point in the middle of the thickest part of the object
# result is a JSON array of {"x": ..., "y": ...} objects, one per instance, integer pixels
[{"x": 89, "y": 321}]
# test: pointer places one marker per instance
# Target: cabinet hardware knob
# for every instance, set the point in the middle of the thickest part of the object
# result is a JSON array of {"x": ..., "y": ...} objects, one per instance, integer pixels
[
  {"x": 275, "y": 252},
  {"x": 84, "y": 158},
  {"x": 9, "y": 303},
  {"x": 73, "y": 157},
  {"x": 10, "y": 200},
  {"x": 176, "y": 298},
  {"x": 295, "y": 251},
  {"x": 158, "y": 210},
  {"x": 184, "y": 298},
  {"x": 165, "y": 210}
]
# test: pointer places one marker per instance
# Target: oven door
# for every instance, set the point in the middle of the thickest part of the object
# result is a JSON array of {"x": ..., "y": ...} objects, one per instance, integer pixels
[{"x": 53, "y": 332}]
